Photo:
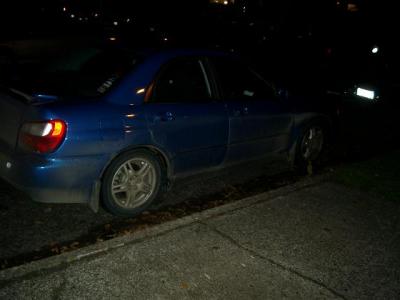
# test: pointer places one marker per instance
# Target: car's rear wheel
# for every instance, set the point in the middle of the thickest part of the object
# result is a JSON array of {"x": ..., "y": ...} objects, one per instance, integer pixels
[
  {"x": 132, "y": 183},
  {"x": 310, "y": 145}
]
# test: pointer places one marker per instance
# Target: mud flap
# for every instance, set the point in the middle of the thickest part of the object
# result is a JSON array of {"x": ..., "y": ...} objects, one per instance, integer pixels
[{"x": 95, "y": 196}]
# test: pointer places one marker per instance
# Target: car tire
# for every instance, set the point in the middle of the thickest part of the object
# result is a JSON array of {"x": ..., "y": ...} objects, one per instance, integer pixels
[
  {"x": 310, "y": 146},
  {"x": 132, "y": 183}
]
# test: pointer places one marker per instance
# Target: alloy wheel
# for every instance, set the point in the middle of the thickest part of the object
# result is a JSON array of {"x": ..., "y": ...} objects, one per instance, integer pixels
[{"x": 133, "y": 183}]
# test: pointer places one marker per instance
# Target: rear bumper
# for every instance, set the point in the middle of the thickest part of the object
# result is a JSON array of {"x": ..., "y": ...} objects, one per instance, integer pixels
[{"x": 52, "y": 180}]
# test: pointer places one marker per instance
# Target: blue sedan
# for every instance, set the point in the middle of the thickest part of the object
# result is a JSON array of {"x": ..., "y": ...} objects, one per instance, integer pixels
[{"x": 114, "y": 126}]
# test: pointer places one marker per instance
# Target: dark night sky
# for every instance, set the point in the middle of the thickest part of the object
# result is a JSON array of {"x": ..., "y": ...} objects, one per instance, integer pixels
[{"x": 21, "y": 16}]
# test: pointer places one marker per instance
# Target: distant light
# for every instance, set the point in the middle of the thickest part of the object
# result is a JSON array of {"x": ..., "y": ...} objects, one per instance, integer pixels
[
  {"x": 351, "y": 7},
  {"x": 115, "y": 23},
  {"x": 140, "y": 91},
  {"x": 128, "y": 20},
  {"x": 165, "y": 39},
  {"x": 96, "y": 15},
  {"x": 80, "y": 19},
  {"x": 226, "y": 2},
  {"x": 72, "y": 16},
  {"x": 328, "y": 51},
  {"x": 375, "y": 50},
  {"x": 112, "y": 38},
  {"x": 64, "y": 8},
  {"x": 365, "y": 93}
]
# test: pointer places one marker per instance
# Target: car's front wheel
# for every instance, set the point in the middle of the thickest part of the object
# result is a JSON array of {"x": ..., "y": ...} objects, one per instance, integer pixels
[
  {"x": 310, "y": 145},
  {"x": 132, "y": 183}
]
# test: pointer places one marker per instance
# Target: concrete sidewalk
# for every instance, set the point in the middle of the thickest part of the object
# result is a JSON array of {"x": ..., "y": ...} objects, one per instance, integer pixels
[{"x": 316, "y": 241}]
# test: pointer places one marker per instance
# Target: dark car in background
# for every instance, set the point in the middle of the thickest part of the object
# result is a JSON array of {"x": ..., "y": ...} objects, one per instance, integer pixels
[{"x": 362, "y": 78}]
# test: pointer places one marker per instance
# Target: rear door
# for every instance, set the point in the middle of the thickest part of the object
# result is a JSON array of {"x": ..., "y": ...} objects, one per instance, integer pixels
[
  {"x": 184, "y": 117},
  {"x": 259, "y": 121}
]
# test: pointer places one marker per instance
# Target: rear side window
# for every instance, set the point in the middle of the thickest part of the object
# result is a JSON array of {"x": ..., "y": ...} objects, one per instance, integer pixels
[
  {"x": 92, "y": 72},
  {"x": 239, "y": 82},
  {"x": 182, "y": 81},
  {"x": 86, "y": 71}
]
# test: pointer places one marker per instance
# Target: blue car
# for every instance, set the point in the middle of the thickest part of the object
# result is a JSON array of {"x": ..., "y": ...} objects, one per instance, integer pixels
[{"x": 115, "y": 126}]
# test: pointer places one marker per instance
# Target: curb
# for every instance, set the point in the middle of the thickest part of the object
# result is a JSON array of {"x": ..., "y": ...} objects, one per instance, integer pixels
[{"x": 62, "y": 260}]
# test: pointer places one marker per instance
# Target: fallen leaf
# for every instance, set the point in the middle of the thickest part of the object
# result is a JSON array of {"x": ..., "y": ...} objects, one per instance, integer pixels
[
  {"x": 55, "y": 250},
  {"x": 184, "y": 285},
  {"x": 64, "y": 249},
  {"x": 74, "y": 244}
]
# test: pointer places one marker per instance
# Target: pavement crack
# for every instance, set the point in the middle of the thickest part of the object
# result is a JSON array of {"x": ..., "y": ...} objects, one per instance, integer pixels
[{"x": 273, "y": 262}]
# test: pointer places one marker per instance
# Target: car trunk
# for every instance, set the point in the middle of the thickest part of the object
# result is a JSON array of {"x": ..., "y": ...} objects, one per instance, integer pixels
[{"x": 12, "y": 108}]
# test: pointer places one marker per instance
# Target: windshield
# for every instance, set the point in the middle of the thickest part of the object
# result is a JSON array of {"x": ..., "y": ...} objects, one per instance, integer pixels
[{"x": 86, "y": 72}]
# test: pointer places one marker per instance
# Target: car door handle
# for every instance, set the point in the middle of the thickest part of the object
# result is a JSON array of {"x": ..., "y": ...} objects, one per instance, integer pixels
[{"x": 165, "y": 117}]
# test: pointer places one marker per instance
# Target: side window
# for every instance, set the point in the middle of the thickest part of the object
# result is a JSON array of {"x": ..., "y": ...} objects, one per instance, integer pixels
[
  {"x": 183, "y": 80},
  {"x": 239, "y": 82}
]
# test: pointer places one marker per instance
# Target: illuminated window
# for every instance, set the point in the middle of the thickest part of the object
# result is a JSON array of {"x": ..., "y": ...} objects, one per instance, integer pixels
[
  {"x": 222, "y": 2},
  {"x": 351, "y": 7}
]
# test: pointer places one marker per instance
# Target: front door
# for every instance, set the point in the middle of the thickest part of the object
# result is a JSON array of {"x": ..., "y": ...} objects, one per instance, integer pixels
[{"x": 259, "y": 121}]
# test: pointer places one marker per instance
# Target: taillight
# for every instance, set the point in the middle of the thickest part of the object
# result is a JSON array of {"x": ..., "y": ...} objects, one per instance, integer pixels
[{"x": 42, "y": 137}]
